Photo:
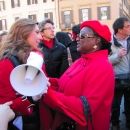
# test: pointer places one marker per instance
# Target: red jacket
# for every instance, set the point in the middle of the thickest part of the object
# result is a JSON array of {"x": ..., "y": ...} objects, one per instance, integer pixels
[
  {"x": 91, "y": 76},
  {"x": 7, "y": 93}
]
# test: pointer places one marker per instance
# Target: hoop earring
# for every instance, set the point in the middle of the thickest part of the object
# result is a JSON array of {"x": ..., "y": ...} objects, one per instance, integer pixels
[{"x": 95, "y": 46}]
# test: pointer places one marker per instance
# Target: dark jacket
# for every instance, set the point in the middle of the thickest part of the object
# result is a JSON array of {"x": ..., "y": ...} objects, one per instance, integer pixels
[
  {"x": 73, "y": 49},
  {"x": 55, "y": 59}
]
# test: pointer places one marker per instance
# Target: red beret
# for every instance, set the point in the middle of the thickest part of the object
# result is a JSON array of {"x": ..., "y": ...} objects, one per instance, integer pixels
[{"x": 100, "y": 29}]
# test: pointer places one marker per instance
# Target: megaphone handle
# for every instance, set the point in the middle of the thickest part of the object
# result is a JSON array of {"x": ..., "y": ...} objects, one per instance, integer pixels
[{"x": 37, "y": 72}]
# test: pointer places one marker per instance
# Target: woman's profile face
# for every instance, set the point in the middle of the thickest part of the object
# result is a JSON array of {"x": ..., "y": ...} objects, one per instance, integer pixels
[
  {"x": 34, "y": 37},
  {"x": 86, "y": 41}
]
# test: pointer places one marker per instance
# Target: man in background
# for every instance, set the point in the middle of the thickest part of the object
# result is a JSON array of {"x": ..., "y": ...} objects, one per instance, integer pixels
[
  {"x": 55, "y": 53},
  {"x": 120, "y": 60}
]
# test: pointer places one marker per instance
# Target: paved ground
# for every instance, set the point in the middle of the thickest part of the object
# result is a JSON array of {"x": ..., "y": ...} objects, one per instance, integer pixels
[{"x": 122, "y": 117}]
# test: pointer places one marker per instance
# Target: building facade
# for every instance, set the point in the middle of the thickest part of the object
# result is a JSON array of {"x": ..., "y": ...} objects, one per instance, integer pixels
[
  {"x": 11, "y": 10},
  {"x": 73, "y": 12},
  {"x": 64, "y": 13}
]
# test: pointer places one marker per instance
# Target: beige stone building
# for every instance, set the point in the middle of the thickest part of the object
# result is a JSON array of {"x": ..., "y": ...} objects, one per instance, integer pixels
[
  {"x": 11, "y": 10},
  {"x": 64, "y": 13},
  {"x": 75, "y": 11}
]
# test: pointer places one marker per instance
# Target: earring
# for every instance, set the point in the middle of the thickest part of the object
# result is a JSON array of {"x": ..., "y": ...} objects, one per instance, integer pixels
[{"x": 95, "y": 46}]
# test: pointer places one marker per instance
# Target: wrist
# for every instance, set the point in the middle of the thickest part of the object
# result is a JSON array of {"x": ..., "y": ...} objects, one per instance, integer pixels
[{"x": 28, "y": 101}]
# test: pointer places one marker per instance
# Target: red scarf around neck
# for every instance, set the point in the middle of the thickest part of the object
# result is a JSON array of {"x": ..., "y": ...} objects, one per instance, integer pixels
[{"x": 49, "y": 43}]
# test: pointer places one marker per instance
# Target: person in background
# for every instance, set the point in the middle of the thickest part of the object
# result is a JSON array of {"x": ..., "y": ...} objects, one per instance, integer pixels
[
  {"x": 63, "y": 38},
  {"x": 120, "y": 60},
  {"x": 22, "y": 38},
  {"x": 82, "y": 96},
  {"x": 3, "y": 36},
  {"x": 6, "y": 115},
  {"x": 70, "y": 35},
  {"x": 55, "y": 53},
  {"x": 73, "y": 45}
]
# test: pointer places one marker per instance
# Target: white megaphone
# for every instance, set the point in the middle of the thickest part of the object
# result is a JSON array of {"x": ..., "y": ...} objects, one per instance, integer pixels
[{"x": 29, "y": 79}]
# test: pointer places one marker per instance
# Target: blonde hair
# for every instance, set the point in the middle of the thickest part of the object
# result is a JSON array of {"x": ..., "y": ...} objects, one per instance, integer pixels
[{"x": 16, "y": 39}]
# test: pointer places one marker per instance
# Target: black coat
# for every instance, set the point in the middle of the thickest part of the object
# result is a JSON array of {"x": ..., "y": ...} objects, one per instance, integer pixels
[
  {"x": 55, "y": 59},
  {"x": 73, "y": 50}
]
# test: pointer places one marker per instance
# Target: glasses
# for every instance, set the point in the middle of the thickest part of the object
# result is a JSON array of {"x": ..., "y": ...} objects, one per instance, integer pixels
[
  {"x": 48, "y": 28},
  {"x": 81, "y": 36}
]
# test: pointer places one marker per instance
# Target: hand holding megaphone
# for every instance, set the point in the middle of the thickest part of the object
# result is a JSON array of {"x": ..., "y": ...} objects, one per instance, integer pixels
[
  {"x": 29, "y": 79},
  {"x": 37, "y": 97}
]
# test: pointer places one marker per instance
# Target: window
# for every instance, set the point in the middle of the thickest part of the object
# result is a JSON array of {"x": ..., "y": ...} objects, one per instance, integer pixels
[
  {"x": 33, "y": 17},
  {"x": 30, "y": 2},
  {"x": 104, "y": 13},
  {"x": 125, "y": 2},
  {"x": 44, "y": 1},
  {"x": 84, "y": 14},
  {"x": 67, "y": 18},
  {"x": 15, "y": 3},
  {"x": 2, "y": 5},
  {"x": 3, "y": 25},
  {"x": 48, "y": 15}
]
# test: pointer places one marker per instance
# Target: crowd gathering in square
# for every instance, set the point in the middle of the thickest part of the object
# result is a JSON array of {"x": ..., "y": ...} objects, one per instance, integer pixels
[{"x": 87, "y": 71}]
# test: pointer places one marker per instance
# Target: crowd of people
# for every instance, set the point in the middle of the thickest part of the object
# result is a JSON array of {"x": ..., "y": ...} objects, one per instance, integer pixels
[{"x": 88, "y": 72}]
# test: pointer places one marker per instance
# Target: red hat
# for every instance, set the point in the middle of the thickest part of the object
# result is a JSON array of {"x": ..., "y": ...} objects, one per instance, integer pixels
[{"x": 101, "y": 29}]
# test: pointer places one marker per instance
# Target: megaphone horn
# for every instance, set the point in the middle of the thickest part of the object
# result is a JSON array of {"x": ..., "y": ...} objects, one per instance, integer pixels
[{"x": 29, "y": 79}]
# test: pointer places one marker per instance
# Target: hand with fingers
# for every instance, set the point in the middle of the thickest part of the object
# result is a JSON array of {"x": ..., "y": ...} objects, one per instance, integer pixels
[
  {"x": 122, "y": 52},
  {"x": 6, "y": 115}
]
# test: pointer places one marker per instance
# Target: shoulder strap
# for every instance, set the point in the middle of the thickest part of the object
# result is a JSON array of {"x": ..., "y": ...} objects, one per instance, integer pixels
[
  {"x": 69, "y": 56},
  {"x": 87, "y": 111},
  {"x": 14, "y": 60}
]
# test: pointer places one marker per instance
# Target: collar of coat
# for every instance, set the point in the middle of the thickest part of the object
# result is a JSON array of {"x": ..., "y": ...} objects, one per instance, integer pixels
[
  {"x": 101, "y": 54},
  {"x": 117, "y": 44}
]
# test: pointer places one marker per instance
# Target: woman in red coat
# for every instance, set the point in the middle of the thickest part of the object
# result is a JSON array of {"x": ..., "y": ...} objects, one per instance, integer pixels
[
  {"x": 22, "y": 38},
  {"x": 83, "y": 95}
]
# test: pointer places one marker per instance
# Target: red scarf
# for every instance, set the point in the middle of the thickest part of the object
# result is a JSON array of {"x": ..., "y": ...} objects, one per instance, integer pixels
[{"x": 49, "y": 44}]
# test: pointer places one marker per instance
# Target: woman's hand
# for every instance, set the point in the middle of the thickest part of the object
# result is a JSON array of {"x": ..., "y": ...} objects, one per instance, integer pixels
[
  {"x": 6, "y": 113},
  {"x": 37, "y": 97}
]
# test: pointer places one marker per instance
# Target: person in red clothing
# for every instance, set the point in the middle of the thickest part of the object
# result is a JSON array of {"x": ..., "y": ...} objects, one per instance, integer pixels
[
  {"x": 82, "y": 96},
  {"x": 22, "y": 38}
]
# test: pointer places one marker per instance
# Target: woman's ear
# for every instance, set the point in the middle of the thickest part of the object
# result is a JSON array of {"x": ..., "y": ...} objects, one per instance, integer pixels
[{"x": 98, "y": 40}]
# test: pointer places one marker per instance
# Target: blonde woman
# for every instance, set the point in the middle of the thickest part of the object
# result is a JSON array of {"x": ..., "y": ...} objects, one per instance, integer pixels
[{"x": 23, "y": 37}]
